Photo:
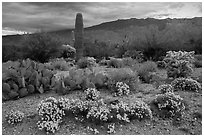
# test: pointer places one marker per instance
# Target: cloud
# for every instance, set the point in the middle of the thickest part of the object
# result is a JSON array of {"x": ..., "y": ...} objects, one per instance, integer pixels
[{"x": 34, "y": 16}]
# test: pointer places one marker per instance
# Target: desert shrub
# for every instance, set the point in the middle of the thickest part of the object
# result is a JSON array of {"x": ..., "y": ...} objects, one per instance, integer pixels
[
  {"x": 166, "y": 88},
  {"x": 198, "y": 61},
  {"x": 179, "y": 64},
  {"x": 11, "y": 52},
  {"x": 129, "y": 62},
  {"x": 68, "y": 51},
  {"x": 145, "y": 70},
  {"x": 41, "y": 47},
  {"x": 92, "y": 94},
  {"x": 138, "y": 55},
  {"x": 58, "y": 64},
  {"x": 198, "y": 56},
  {"x": 116, "y": 62},
  {"x": 161, "y": 64},
  {"x": 50, "y": 115},
  {"x": 186, "y": 84},
  {"x": 122, "y": 89},
  {"x": 168, "y": 105},
  {"x": 125, "y": 75},
  {"x": 86, "y": 62},
  {"x": 153, "y": 52},
  {"x": 14, "y": 117},
  {"x": 104, "y": 62}
]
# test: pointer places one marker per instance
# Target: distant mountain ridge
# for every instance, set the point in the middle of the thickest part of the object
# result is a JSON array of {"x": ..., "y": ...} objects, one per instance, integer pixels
[{"x": 114, "y": 31}]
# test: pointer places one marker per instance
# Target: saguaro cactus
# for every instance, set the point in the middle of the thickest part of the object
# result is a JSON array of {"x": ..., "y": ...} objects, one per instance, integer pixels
[{"x": 78, "y": 34}]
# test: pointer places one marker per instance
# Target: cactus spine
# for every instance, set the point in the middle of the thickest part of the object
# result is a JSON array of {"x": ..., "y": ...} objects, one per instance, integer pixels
[{"x": 78, "y": 34}]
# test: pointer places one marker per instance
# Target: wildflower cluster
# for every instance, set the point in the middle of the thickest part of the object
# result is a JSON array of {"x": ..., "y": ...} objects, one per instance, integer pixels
[
  {"x": 166, "y": 88},
  {"x": 186, "y": 84},
  {"x": 111, "y": 128},
  {"x": 14, "y": 117},
  {"x": 140, "y": 110},
  {"x": 122, "y": 89},
  {"x": 92, "y": 94},
  {"x": 98, "y": 113},
  {"x": 120, "y": 111},
  {"x": 51, "y": 115},
  {"x": 179, "y": 64},
  {"x": 75, "y": 106},
  {"x": 169, "y": 104}
]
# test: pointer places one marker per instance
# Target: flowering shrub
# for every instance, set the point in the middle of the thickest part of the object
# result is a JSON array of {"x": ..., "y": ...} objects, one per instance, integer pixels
[
  {"x": 166, "y": 88},
  {"x": 92, "y": 94},
  {"x": 14, "y": 117},
  {"x": 51, "y": 115},
  {"x": 122, "y": 89},
  {"x": 186, "y": 84},
  {"x": 98, "y": 113},
  {"x": 179, "y": 64},
  {"x": 140, "y": 110},
  {"x": 120, "y": 111},
  {"x": 169, "y": 104}
]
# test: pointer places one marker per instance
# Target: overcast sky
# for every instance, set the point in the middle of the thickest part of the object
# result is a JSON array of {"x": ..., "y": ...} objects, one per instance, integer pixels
[{"x": 32, "y": 17}]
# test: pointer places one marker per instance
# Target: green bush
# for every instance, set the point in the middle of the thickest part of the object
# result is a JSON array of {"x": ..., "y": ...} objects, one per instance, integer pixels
[
  {"x": 59, "y": 64},
  {"x": 86, "y": 62},
  {"x": 42, "y": 47},
  {"x": 138, "y": 55},
  {"x": 115, "y": 62},
  {"x": 186, "y": 84},
  {"x": 128, "y": 62},
  {"x": 168, "y": 105},
  {"x": 145, "y": 70},
  {"x": 125, "y": 75},
  {"x": 198, "y": 63}
]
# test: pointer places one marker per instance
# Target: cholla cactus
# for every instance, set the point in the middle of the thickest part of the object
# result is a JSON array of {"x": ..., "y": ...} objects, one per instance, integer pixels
[
  {"x": 92, "y": 94},
  {"x": 14, "y": 117},
  {"x": 166, "y": 88},
  {"x": 122, "y": 89},
  {"x": 51, "y": 115},
  {"x": 186, "y": 84},
  {"x": 179, "y": 64}
]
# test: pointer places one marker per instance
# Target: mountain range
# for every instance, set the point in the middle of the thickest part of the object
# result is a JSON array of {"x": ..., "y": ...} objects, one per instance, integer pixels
[{"x": 163, "y": 30}]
